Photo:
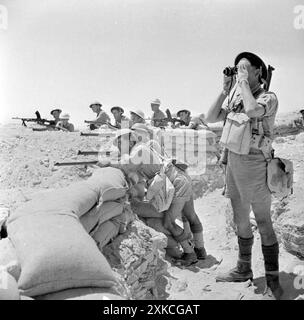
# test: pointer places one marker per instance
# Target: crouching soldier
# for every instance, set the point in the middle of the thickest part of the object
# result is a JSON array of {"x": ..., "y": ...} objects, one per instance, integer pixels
[
  {"x": 141, "y": 155},
  {"x": 246, "y": 170}
]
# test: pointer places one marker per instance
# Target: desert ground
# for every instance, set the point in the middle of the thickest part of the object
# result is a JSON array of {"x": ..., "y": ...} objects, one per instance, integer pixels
[{"x": 27, "y": 167}]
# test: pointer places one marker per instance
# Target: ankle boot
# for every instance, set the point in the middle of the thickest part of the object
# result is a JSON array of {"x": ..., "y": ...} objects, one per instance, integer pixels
[
  {"x": 271, "y": 261},
  {"x": 242, "y": 272}
]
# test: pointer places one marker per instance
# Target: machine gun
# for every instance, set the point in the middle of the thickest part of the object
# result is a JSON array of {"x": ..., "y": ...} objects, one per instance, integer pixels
[
  {"x": 38, "y": 120},
  {"x": 173, "y": 120}
]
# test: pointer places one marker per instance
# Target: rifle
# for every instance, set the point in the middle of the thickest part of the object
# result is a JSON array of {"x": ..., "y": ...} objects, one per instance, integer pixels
[
  {"x": 76, "y": 163},
  {"x": 38, "y": 120},
  {"x": 93, "y": 153},
  {"x": 269, "y": 77},
  {"x": 173, "y": 120},
  {"x": 95, "y": 134}
]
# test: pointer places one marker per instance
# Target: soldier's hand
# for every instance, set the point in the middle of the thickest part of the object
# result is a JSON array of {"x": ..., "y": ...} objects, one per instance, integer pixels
[
  {"x": 228, "y": 83},
  {"x": 242, "y": 74}
]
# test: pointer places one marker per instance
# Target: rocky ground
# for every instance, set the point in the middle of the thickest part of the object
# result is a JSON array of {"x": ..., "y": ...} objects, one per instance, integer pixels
[{"x": 27, "y": 166}]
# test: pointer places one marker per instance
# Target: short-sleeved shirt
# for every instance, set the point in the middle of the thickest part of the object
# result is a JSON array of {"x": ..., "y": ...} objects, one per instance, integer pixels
[
  {"x": 268, "y": 100},
  {"x": 118, "y": 124},
  {"x": 102, "y": 118},
  {"x": 159, "y": 119}
]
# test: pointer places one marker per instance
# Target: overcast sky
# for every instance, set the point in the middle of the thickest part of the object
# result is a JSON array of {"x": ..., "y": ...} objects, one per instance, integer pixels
[{"x": 68, "y": 54}]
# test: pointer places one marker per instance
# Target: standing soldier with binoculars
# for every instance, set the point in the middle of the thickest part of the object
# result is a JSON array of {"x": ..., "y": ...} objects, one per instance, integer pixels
[{"x": 247, "y": 136}]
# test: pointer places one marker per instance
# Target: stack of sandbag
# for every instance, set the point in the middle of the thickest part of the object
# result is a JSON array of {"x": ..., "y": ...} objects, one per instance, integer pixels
[
  {"x": 54, "y": 250},
  {"x": 104, "y": 223}
]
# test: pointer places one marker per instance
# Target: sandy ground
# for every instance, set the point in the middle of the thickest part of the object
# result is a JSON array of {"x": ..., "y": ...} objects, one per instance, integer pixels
[{"x": 27, "y": 166}]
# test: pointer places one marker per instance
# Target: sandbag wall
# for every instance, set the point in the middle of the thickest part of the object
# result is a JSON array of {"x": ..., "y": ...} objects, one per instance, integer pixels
[{"x": 53, "y": 248}]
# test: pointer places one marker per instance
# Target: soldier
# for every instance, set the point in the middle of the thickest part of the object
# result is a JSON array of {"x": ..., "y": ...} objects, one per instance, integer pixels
[
  {"x": 137, "y": 117},
  {"x": 64, "y": 124},
  {"x": 246, "y": 184},
  {"x": 118, "y": 114},
  {"x": 189, "y": 122},
  {"x": 101, "y": 116},
  {"x": 56, "y": 114},
  {"x": 158, "y": 117}
]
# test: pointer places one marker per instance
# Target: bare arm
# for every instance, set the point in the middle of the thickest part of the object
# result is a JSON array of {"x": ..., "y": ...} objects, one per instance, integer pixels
[
  {"x": 251, "y": 106},
  {"x": 216, "y": 113}
]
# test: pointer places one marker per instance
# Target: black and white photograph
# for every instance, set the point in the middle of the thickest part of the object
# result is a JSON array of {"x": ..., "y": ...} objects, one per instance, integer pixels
[{"x": 151, "y": 152}]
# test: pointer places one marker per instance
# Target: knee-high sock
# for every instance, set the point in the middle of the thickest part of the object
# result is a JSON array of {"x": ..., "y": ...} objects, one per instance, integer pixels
[
  {"x": 198, "y": 240},
  {"x": 271, "y": 261}
]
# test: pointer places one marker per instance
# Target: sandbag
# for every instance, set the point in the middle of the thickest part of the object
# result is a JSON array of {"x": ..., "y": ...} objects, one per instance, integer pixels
[
  {"x": 8, "y": 286},
  {"x": 82, "y": 294},
  {"x": 109, "y": 182},
  {"x": 105, "y": 184},
  {"x": 56, "y": 253},
  {"x": 105, "y": 233},
  {"x": 124, "y": 219},
  {"x": 98, "y": 215},
  {"x": 8, "y": 258}
]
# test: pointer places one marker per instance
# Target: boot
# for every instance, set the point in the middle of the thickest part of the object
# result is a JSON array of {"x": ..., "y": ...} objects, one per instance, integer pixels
[
  {"x": 187, "y": 259},
  {"x": 242, "y": 272},
  {"x": 201, "y": 253},
  {"x": 271, "y": 262}
]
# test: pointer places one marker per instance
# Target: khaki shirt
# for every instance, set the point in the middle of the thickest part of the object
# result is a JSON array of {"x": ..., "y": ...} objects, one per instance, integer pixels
[
  {"x": 123, "y": 118},
  {"x": 268, "y": 100},
  {"x": 102, "y": 118},
  {"x": 159, "y": 119}
]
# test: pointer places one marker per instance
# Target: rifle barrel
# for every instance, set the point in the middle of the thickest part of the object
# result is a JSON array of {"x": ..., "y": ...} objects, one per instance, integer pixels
[
  {"x": 95, "y": 134},
  {"x": 93, "y": 152},
  {"x": 76, "y": 163}
]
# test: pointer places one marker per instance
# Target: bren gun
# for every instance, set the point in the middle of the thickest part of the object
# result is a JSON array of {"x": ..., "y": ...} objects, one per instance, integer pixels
[{"x": 38, "y": 120}]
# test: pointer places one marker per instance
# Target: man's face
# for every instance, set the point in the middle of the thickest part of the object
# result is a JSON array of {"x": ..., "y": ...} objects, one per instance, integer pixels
[
  {"x": 154, "y": 107},
  {"x": 253, "y": 72},
  {"x": 96, "y": 108},
  {"x": 135, "y": 118},
  {"x": 116, "y": 114},
  {"x": 185, "y": 116},
  {"x": 56, "y": 114}
]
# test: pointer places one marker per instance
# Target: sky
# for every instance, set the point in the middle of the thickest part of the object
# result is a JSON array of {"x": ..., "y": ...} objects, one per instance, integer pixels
[{"x": 68, "y": 54}]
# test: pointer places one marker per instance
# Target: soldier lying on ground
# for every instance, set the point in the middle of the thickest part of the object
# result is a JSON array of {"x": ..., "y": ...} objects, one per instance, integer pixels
[
  {"x": 64, "y": 124},
  {"x": 102, "y": 117},
  {"x": 56, "y": 114},
  {"x": 120, "y": 118},
  {"x": 190, "y": 122},
  {"x": 158, "y": 117}
]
